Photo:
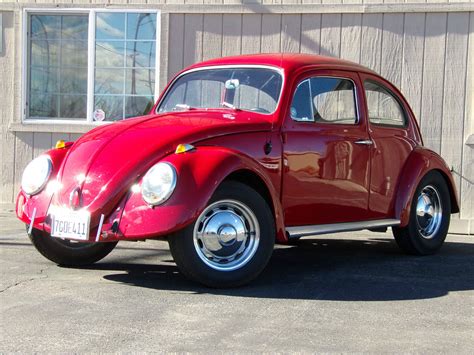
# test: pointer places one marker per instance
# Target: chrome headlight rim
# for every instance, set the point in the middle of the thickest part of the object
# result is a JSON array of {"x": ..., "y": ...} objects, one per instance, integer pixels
[
  {"x": 40, "y": 187},
  {"x": 172, "y": 186}
]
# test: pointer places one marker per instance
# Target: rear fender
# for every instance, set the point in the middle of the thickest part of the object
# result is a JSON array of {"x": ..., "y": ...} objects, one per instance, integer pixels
[
  {"x": 200, "y": 172},
  {"x": 420, "y": 162}
]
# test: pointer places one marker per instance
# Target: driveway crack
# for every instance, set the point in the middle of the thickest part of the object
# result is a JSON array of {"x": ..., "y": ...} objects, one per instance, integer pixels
[{"x": 40, "y": 275}]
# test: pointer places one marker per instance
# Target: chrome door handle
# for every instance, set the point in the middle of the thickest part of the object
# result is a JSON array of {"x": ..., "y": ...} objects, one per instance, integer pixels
[{"x": 364, "y": 142}]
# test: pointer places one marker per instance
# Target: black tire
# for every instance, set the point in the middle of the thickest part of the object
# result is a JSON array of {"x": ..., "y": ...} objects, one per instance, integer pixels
[
  {"x": 410, "y": 238},
  {"x": 67, "y": 253},
  {"x": 193, "y": 266}
]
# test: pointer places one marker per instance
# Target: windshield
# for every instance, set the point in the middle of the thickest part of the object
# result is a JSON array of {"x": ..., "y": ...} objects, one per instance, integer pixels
[{"x": 252, "y": 89}]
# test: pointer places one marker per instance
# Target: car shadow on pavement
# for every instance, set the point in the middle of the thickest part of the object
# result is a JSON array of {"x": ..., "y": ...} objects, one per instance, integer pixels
[{"x": 328, "y": 269}]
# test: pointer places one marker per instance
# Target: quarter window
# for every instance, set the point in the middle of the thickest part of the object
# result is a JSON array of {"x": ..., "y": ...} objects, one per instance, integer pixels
[
  {"x": 66, "y": 82},
  {"x": 383, "y": 107},
  {"x": 325, "y": 100},
  {"x": 301, "y": 105}
]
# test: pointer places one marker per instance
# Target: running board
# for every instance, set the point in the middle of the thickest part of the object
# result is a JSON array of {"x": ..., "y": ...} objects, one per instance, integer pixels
[{"x": 305, "y": 231}]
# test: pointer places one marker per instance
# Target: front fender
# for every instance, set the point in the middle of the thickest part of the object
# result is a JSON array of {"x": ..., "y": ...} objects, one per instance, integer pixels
[
  {"x": 38, "y": 204},
  {"x": 200, "y": 172},
  {"x": 419, "y": 163}
]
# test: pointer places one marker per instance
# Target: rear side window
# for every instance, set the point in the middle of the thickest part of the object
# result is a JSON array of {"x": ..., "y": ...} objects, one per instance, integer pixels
[
  {"x": 383, "y": 107},
  {"x": 325, "y": 100}
]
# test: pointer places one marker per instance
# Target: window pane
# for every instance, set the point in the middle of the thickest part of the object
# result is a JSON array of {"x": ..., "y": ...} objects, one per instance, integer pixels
[
  {"x": 73, "y": 106},
  {"x": 44, "y": 80},
  {"x": 383, "y": 107},
  {"x": 45, "y": 27},
  {"x": 58, "y": 66},
  {"x": 140, "y": 82},
  {"x": 109, "y": 54},
  {"x": 74, "y": 54},
  {"x": 74, "y": 27},
  {"x": 111, "y": 105},
  {"x": 73, "y": 81},
  {"x": 138, "y": 105},
  {"x": 333, "y": 100},
  {"x": 109, "y": 81},
  {"x": 141, "y": 54},
  {"x": 110, "y": 25},
  {"x": 44, "y": 53},
  {"x": 43, "y": 106},
  {"x": 124, "y": 63},
  {"x": 141, "y": 26},
  {"x": 301, "y": 104}
]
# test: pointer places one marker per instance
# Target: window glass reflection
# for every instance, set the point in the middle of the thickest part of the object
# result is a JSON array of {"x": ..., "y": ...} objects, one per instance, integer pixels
[
  {"x": 58, "y": 66},
  {"x": 125, "y": 63}
]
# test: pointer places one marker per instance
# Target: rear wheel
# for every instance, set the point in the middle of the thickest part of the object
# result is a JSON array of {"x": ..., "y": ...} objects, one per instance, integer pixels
[
  {"x": 230, "y": 242},
  {"x": 69, "y": 253},
  {"x": 429, "y": 217}
]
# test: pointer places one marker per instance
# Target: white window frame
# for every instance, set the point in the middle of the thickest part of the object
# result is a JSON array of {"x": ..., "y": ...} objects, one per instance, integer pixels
[{"x": 90, "y": 62}]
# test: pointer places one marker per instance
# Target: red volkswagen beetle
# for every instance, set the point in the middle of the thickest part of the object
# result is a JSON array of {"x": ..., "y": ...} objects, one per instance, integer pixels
[{"x": 237, "y": 154}]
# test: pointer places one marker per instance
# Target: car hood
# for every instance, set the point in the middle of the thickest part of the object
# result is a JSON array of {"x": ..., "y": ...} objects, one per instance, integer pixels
[{"x": 105, "y": 162}]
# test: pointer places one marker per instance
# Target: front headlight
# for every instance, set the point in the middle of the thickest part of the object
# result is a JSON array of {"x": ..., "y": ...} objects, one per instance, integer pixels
[
  {"x": 158, "y": 183},
  {"x": 36, "y": 175}
]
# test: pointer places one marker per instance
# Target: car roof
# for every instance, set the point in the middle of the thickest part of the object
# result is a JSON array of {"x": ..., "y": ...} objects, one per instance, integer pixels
[{"x": 287, "y": 61}]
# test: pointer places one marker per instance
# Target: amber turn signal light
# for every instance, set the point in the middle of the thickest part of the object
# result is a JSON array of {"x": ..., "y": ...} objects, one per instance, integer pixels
[
  {"x": 183, "y": 148},
  {"x": 60, "y": 144}
]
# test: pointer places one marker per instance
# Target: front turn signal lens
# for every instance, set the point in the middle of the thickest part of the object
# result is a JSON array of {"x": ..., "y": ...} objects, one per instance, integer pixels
[
  {"x": 60, "y": 144},
  {"x": 183, "y": 148}
]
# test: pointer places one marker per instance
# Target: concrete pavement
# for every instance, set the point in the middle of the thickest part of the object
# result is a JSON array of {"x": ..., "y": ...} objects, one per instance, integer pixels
[{"x": 352, "y": 292}]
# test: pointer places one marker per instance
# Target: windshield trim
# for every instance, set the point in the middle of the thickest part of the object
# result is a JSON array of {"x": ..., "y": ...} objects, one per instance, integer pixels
[{"x": 228, "y": 66}]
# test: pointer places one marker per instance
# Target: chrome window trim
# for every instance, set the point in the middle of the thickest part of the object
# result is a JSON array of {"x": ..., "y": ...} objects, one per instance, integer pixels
[
  {"x": 356, "y": 100},
  {"x": 228, "y": 66}
]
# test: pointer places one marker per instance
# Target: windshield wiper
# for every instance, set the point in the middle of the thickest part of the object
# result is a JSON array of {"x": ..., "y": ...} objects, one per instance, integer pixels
[{"x": 228, "y": 105}]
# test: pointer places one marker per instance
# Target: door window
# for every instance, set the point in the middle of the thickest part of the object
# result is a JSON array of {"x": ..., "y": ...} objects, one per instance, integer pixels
[
  {"x": 383, "y": 107},
  {"x": 325, "y": 100}
]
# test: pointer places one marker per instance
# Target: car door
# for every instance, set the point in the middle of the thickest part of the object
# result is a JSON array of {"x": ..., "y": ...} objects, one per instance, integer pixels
[
  {"x": 392, "y": 136},
  {"x": 326, "y": 151}
]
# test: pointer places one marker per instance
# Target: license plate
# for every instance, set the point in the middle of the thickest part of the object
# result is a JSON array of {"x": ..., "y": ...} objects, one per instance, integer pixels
[{"x": 68, "y": 224}]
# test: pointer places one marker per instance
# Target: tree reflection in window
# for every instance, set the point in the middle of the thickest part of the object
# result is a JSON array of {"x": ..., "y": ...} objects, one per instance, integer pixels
[{"x": 58, "y": 66}]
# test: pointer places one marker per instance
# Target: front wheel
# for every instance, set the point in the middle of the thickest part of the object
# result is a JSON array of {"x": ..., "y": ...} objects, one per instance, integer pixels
[
  {"x": 69, "y": 253},
  {"x": 429, "y": 217},
  {"x": 230, "y": 242}
]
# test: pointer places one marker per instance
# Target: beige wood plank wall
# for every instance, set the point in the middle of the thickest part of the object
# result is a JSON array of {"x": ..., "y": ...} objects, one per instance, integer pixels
[
  {"x": 430, "y": 56},
  {"x": 425, "y": 55}
]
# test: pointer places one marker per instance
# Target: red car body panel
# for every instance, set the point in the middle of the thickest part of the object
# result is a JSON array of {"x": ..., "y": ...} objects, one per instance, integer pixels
[{"x": 299, "y": 172}]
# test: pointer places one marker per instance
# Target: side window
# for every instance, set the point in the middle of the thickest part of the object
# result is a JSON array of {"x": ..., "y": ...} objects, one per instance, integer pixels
[
  {"x": 383, "y": 108},
  {"x": 333, "y": 100},
  {"x": 301, "y": 104}
]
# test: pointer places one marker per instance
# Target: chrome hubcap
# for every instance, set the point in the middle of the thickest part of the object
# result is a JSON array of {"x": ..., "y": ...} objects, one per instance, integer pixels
[
  {"x": 226, "y": 235},
  {"x": 429, "y": 212}
]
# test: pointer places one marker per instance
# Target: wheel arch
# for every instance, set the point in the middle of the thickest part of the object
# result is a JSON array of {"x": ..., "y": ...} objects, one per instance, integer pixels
[
  {"x": 256, "y": 182},
  {"x": 251, "y": 179},
  {"x": 421, "y": 162}
]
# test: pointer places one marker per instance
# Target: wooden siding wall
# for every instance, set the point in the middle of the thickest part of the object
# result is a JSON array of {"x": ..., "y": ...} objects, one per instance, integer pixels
[
  {"x": 429, "y": 56},
  {"x": 424, "y": 54}
]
